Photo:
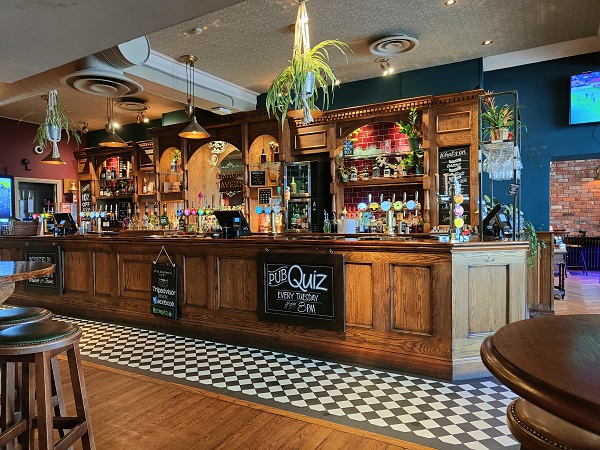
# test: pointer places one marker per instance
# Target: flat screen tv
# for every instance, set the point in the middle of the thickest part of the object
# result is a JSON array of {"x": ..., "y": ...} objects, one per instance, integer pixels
[
  {"x": 585, "y": 98},
  {"x": 7, "y": 198}
]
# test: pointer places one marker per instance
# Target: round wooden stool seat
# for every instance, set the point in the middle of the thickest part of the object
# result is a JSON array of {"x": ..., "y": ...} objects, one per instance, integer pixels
[
  {"x": 35, "y": 337},
  {"x": 36, "y": 345},
  {"x": 15, "y": 316},
  {"x": 536, "y": 429}
]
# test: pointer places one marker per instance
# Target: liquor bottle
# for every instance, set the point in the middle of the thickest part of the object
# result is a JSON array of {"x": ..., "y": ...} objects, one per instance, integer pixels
[
  {"x": 263, "y": 156},
  {"x": 293, "y": 186},
  {"x": 334, "y": 224},
  {"x": 145, "y": 186},
  {"x": 145, "y": 218},
  {"x": 326, "y": 224},
  {"x": 164, "y": 219},
  {"x": 103, "y": 171},
  {"x": 276, "y": 154},
  {"x": 113, "y": 174}
]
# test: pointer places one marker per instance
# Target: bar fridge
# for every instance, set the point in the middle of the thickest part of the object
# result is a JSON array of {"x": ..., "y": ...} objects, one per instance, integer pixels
[{"x": 307, "y": 195}]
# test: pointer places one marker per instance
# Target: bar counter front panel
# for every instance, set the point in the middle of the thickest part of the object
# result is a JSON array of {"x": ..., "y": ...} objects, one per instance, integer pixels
[{"x": 415, "y": 306}]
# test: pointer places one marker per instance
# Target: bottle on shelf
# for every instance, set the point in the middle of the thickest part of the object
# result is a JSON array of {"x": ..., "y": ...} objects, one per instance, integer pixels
[
  {"x": 113, "y": 173},
  {"x": 164, "y": 218},
  {"x": 145, "y": 186},
  {"x": 263, "y": 156},
  {"x": 103, "y": 171},
  {"x": 326, "y": 223},
  {"x": 276, "y": 154},
  {"x": 145, "y": 218},
  {"x": 293, "y": 186}
]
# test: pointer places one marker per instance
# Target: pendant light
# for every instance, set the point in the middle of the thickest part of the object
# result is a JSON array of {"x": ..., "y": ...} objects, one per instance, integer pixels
[
  {"x": 113, "y": 139},
  {"x": 193, "y": 130}
]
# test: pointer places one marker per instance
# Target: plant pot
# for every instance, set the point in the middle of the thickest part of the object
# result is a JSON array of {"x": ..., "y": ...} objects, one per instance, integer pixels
[
  {"x": 296, "y": 114},
  {"x": 410, "y": 170},
  {"x": 53, "y": 133},
  {"x": 418, "y": 170},
  {"x": 413, "y": 143},
  {"x": 345, "y": 178},
  {"x": 499, "y": 134}
]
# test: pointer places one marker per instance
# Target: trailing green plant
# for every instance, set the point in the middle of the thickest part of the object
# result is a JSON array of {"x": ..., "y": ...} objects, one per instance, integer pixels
[
  {"x": 286, "y": 91},
  {"x": 410, "y": 128},
  {"x": 535, "y": 245},
  {"x": 56, "y": 116}
]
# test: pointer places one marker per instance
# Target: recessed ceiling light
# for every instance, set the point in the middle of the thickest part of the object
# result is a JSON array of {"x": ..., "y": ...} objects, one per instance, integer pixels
[
  {"x": 486, "y": 42},
  {"x": 449, "y": 2}
]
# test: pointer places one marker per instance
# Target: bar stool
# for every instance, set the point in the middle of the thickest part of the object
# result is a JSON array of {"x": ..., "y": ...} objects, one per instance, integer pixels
[
  {"x": 37, "y": 343},
  {"x": 22, "y": 314},
  {"x": 577, "y": 247}
]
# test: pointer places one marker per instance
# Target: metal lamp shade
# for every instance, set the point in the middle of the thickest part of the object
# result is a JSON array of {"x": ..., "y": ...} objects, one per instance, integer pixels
[
  {"x": 194, "y": 131},
  {"x": 51, "y": 159},
  {"x": 112, "y": 140}
]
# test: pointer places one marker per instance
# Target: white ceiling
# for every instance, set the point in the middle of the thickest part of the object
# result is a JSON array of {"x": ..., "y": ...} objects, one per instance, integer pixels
[{"x": 245, "y": 44}]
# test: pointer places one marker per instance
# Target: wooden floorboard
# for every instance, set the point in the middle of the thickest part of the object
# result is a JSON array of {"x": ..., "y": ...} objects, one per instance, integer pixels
[
  {"x": 582, "y": 294},
  {"x": 131, "y": 411}
]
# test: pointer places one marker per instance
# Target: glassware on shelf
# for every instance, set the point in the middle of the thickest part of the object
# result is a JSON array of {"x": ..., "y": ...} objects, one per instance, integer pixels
[{"x": 498, "y": 161}]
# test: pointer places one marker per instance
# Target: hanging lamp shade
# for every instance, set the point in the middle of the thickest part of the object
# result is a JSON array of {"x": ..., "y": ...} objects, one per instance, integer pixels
[
  {"x": 194, "y": 130},
  {"x": 112, "y": 140},
  {"x": 53, "y": 159}
]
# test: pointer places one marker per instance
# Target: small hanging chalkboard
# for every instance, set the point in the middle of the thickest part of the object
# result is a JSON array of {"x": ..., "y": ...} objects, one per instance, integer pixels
[
  {"x": 264, "y": 196},
  {"x": 163, "y": 296},
  {"x": 258, "y": 177},
  {"x": 348, "y": 148}
]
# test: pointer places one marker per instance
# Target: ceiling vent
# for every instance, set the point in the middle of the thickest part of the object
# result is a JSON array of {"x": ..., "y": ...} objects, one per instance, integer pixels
[
  {"x": 102, "y": 72},
  {"x": 391, "y": 46}
]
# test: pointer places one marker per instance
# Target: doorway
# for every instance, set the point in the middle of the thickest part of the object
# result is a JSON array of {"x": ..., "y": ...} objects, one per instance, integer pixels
[{"x": 35, "y": 196}]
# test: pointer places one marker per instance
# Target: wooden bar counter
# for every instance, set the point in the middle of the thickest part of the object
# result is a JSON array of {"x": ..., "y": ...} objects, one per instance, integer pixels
[{"x": 412, "y": 305}]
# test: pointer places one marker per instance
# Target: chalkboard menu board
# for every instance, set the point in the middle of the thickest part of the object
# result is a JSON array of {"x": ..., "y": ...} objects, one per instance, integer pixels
[
  {"x": 454, "y": 160},
  {"x": 122, "y": 210},
  {"x": 302, "y": 289},
  {"x": 49, "y": 284},
  {"x": 348, "y": 148},
  {"x": 163, "y": 297},
  {"x": 86, "y": 196},
  {"x": 258, "y": 177}
]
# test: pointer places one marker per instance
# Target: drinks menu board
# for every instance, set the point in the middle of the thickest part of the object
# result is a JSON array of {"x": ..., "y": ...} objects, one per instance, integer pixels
[
  {"x": 302, "y": 289},
  {"x": 454, "y": 160}
]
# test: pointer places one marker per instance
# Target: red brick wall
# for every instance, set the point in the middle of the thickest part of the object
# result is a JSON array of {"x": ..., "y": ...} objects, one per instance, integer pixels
[
  {"x": 575, "y": 196},
  {"x": 376, "y": 133}
]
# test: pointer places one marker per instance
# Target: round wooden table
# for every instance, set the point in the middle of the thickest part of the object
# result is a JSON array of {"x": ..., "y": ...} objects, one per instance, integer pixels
[
  {"x": 553, "y": 363},
  {"x": 12, "y": 271}
]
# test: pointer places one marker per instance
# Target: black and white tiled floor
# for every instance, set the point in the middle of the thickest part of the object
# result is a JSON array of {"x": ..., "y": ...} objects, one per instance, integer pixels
[{"x": 440, "y": 414}]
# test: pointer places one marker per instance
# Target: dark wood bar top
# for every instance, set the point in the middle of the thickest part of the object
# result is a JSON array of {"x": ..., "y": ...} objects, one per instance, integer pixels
[{"x": 552, "y": 362}]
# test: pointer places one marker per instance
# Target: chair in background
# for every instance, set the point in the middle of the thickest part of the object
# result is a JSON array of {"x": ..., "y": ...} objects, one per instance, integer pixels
[{"x": 576, "y": 247}]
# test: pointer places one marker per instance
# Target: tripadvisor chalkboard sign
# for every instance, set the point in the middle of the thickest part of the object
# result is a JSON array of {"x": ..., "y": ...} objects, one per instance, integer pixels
[
  {"x": 164, "y": 290},
  {"x": 302, "y": 289},
  {"x": 49, "y": 284},
  {"x": 454, "y": 160}
]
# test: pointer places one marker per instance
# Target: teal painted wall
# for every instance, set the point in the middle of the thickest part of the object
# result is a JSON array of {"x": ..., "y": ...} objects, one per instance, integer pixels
[
  {"x": 445, "y": 79},
  {"x": 544, "y": 92}
]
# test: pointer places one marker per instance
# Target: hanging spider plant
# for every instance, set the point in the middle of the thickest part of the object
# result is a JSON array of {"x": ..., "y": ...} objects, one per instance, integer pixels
[{"x": 296, "y": 87}]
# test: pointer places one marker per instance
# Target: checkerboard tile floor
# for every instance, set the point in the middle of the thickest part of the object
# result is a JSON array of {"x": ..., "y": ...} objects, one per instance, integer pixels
[{"x": 440, "y": 414}]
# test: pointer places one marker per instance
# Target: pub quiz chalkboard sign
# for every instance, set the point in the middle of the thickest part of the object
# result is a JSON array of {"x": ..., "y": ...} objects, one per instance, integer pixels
[
  {"x": 454, "y": 160},
  {"x": 163, "y": 297},
  {"x": 49, "y": 284},
  {"x": 302, "y": 289}
]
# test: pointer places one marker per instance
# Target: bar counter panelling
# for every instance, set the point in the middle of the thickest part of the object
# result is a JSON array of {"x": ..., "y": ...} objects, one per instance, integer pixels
[{"x": 413, "y": 305}]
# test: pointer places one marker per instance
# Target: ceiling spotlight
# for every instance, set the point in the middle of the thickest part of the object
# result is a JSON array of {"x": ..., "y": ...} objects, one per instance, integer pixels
[
  {"x": 385, "y": 67},
  {"x": 141, "y": 118},
  {"x": 449, "y": 2},
  {"x": 486, "y": 42}
]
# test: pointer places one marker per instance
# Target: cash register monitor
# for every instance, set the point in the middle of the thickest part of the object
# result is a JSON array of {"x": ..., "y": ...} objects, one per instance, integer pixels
[
  {"x": 234, "y": 220},
  {"x": 65, "y": 223}
]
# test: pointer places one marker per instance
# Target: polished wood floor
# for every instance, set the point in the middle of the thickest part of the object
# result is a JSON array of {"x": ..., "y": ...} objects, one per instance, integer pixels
[
  {"x": 582, "y": 294},
  {"x": 131, "y": 411}
]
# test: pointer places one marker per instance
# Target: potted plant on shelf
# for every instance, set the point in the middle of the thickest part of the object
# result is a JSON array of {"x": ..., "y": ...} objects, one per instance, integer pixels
[
  {"x": 413, "y": 162},
  {"x": 344, "y": 174},
  {"x": 411, "y": 129},
  {"x": 294, "y": 88},
  {"x": 498, "y": 120}
]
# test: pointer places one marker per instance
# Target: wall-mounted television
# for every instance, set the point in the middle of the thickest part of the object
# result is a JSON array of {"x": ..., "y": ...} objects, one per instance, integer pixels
[
  {"x": 585, "y": 98},
  {"x": 7, "y": 198}
]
